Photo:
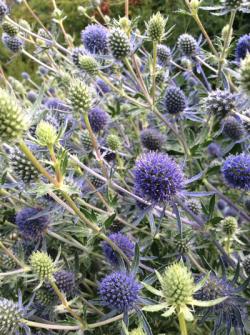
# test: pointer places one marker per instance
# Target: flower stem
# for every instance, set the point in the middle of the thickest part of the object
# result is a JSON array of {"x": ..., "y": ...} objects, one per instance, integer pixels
[
  {"x": 127, "y": 8},
  {"x": 10, "y": 254},
  {"x": 49, "y": 326},
  {"x": 182, "y": 324},
  {"x": 66, "y": 304},
  {"x": 154, "y": 70},
  {"x": 226, "y": 43}
]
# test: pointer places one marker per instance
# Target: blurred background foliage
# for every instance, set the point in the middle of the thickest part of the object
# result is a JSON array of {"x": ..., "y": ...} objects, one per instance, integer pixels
[{"x": 143, "y": 9}]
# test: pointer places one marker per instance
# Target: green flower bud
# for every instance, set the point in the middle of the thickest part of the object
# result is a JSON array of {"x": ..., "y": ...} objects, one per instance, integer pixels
[
  {"x": 17, "y": 85},
  {"x": 138, "y": 331},
  {"x": 177, "y": 284},
  {"x": 88, "y": 64},
  {"x": 156, "y": 27},
  {"x": 46, "y": 134},
  {"x": 42, "y": 265},
  {"x": 45, "y": 298},
  {"x": 80, "y": 97},
  {"x": 125, "y": 24},
  {"x": 9, "y": 29},
  {"x": 119, "y": 43},
  {"x": 245, "y": 74},
  {"x": 113, "y": 142},
  {"x": 10, "y": 316},
  {"x": 225, "y": 32},
  {"x": 229, "y": 225},
  {"x": 12, "y": 123}
]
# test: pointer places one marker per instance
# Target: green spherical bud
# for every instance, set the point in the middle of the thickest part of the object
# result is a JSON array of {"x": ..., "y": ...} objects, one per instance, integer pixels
[
  {"x": 125, "y": 24},
  {"x": 42, "y": 265},
  {"x": 22, "y": 167},
  {"x": 156, "y": 27},
  {"x": 194, "y": 206},
  {"x": 113, "y": 142},
  {"x": 7, "y": 263},
  {"x": 12, "y": 123},
  {"x": 246, "y": 265},
  {"x": 46, "y": 134},
  {"x": 177, "y": 284},
  {"x": 80, "y": 97},
  {"x": 181, "y": 246},
  {"x": 229, "y": 225},
  {"x": 88, "y": 64},
  {"x": 119, "y": 43},
  {"x": 138, "y": 331},
  {"x": 16, "y": 85},
  {"x": 45, "y": 298},
  {"x": 10, "y": 316},
  {"x": 9, "y": 29},
  {"x": 245, "y": 74}
]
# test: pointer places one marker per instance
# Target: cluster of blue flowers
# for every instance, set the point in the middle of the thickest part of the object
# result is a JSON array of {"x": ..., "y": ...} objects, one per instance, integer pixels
[{"x": 125, "y": 172}]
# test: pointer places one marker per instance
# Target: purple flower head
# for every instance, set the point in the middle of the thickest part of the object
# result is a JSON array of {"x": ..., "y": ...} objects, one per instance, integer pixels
[
  {"x": 101, "y": 87},
  {"x": 56, "y": 104},
  {"x": 151, "y": 139},
  {"x": 158, "y": 177},
  {"x": 236, "y": 171},
  {"x": 30, "y": 224},
  {"x": 66, "y": 282},
  {"x": 123, "y": 242},
  {"x": 174, "y": 100},
  {"x": 163, "y": 55},
  {"x": 242, "y": 47},
  {"x": 32, "y": 96},
  {"x": 25, "y": 75},
  {"x": 120, "y": 291},
  {"x": 229, "y": 313},
  {"x": 98, "y": 119},
  {"x": 3, "y": 10},
  {"x": 13, "y": 43},
  {"x": 95, "y": 39},
  {"x": 214, "y": 149}
]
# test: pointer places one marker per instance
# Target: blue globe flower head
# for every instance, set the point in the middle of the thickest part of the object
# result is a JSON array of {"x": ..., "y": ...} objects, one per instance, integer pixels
[
  {"x": 31, "y": 223},
  {"x": 123, "y": 242},
  {"x": 236, "y": 171},
  {"x": 13, "y": 43},
  {"x": 231, "y": 312},
  {"x": 32, "y": 96},
  {"x": 119, "y": 291},
  {"x": 158, "y": 177},
  {"x": 95, "y": 39},
  {"x": 174, "y": 100},
  {"x": 98, "y": 119},
  {"x": 242, "y": 47},
  {"x": 101, "y": 87}
]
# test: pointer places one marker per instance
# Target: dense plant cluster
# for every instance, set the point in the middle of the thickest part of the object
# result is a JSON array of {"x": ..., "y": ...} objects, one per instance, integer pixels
[{"x": 125, "y": 176}]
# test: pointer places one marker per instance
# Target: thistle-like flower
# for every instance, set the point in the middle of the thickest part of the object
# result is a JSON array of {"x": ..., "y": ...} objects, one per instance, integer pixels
[
  {"x": 120, "y": 291},
  {"x": 95, "y": 39},
  {"x": 3, "y": 10},
  {"x": 42, "y": 265},
  {"x": 242, "y": 47},
  {"x": 46, "y": 134},
  {"x": 187, "y": 44},
  {"x": 11, "y": 315},
  {"x": 236, "y": 171},
  {"x": 22, "y": 167},
  {"x": 157, "y": 177},
  {"x": 119, "y": 43},
  {"x": 220, "y": 103},
  {"x": 123, "y": 242},
  {"x": 98, "y": 119},
  {"x": 177, "y": 292},
  {"x": 156, "y": 27},
  {"x": 174, "y": 100},
  {"x": 31, "y": 223},
  {"x": 113, "y": 142},
  {"x": 163, "y": 55},
  {"x": 88, "y": 64},
  {"x": 80, "y": 97},
  {"x": 13, "y": 43},
  {"x": 229, "y": 313},
  {"x": 12, "y": 121},
  {"x": 246, "y": 265},
  {"x": 233, "y": 128},
  {"x": 151, "y": 139}
]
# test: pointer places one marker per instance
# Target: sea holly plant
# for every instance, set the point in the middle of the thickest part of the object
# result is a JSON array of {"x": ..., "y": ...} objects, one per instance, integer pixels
[
  {"x": 177, "y": 294},
  {"x": 124, "y": 158}
]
